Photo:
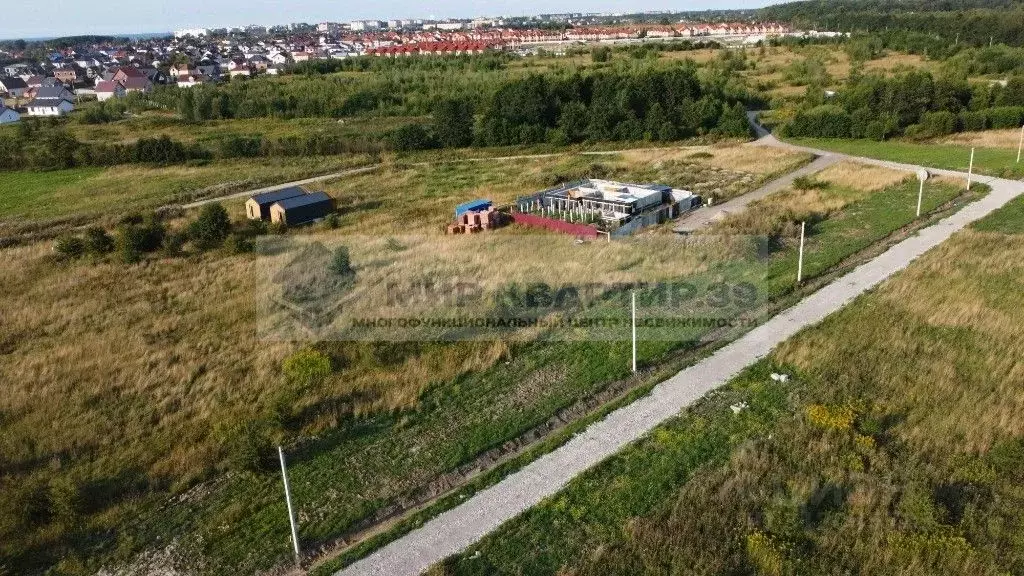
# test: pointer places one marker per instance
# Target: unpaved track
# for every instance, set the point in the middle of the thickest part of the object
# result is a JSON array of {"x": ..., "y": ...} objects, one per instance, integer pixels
[{"x": 457, "y": 529}]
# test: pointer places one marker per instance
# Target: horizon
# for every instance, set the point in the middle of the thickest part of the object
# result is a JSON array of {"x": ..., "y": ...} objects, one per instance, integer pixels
[{"x": 37, "y": 24}]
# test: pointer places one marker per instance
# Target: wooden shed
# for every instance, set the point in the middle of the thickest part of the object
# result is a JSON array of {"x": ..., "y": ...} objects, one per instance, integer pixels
[
  {"x": 301, "y": 209},
  {"x": 257, "y": 207}
]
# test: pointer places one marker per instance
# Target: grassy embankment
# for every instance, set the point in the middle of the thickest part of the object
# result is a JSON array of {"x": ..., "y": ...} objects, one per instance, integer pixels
[{"x": 897, "y": 449}]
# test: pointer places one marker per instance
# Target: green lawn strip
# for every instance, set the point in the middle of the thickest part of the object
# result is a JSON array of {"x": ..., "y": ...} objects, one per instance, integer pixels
[
  {"x": 1008, "y": 220},
  {"x": 26, "y": 195},
  {"x": 1000, "y": 162},
  {"x": 342, "y": 478},
  {"x": 595, "y": 508},
  {"x": 858, "y": 226}
]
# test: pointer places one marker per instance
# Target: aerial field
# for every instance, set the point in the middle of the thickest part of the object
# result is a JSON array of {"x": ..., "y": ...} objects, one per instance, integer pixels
[
  {"x": 909, "y": 463},
  {"x": 387, "y": 419}
]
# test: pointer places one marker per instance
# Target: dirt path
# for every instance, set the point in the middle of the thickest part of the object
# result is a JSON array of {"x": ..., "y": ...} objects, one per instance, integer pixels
[
  {"x": 365, "y": 169},
  {"x": 458, "y": 528}
]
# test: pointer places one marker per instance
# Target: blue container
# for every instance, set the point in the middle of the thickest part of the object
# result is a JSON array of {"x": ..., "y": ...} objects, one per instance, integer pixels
[{"x": 472, "y": 206}]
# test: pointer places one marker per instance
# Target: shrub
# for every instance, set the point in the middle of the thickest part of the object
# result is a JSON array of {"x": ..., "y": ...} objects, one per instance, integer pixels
[
  {"x": 831, "y": 417},
  {"x": 98, "y": 242},
  {"x": 411, "y": 137},
  {"x": 239, "y": 244},
  {"x": 211, "y": 228},
  {"x": 939, "y": 123},
  {"x": 307, "y": 367},
  {"x": 71, "y": 247},
  {"x": 826, "y": 121},
  {"x": 133, "y": 240},
  {"x": 250, "y": 447},
  {"x": 1005, "y": 117},
  {"x": 174, "y": 243},
  {"x": 973, "y": 121},
  {"x": 341, "y": 264},
  {"x": 875, "y": 130},
  {"x": 808, "y": 183}
]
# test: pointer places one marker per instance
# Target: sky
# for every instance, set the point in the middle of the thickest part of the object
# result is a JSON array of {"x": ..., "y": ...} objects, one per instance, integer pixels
[{"x": 25, "y": 19}]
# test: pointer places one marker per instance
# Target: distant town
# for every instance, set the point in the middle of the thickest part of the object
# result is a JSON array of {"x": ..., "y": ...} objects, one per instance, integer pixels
[{"x": 47, "y": 78}]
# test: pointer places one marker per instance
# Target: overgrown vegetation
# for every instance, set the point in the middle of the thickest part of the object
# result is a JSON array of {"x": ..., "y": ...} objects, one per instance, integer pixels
[{"x": 909, "y": 463}]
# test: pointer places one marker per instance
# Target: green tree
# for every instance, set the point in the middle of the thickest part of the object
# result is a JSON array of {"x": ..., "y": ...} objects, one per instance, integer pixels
[
  {"x": 98, "y": 242},
  {"x": 210, "y": 228},
  {"x": 453, "y": 123}
]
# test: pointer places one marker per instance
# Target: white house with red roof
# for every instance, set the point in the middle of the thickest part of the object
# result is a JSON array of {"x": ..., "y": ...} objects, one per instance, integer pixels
[{"x": 107, "y": 89}]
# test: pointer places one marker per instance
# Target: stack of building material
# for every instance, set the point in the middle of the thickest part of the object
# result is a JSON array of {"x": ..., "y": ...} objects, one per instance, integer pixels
[{"x": 477, "y": 220}]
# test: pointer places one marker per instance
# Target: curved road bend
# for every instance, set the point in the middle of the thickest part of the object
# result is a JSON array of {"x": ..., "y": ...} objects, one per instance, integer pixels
[{"x": 457, "y": 529}]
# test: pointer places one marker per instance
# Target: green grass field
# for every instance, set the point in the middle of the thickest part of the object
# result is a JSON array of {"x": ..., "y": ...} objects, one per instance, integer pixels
[
  {"x": 836, "y": 237},
  {"x": 118, "y": 190},
  {"x": 1000, "y": 162},
  {"x": 909, "y": 463}
]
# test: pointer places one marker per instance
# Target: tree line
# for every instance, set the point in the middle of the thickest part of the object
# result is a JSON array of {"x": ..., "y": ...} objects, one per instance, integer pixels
[
  {"x": 650, "y": 104},
  {"x": 618, "y": 104},
  {"x": 914, "y": 104},
  {"x": 969, "y": 22}
]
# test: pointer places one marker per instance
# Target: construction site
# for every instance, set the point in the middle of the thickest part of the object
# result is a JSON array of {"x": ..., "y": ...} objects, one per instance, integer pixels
[{"x": 616, "y": 208}]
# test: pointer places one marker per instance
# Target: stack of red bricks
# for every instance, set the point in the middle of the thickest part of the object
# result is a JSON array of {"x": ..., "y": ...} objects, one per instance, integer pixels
[{"x": 476, "y": 221}]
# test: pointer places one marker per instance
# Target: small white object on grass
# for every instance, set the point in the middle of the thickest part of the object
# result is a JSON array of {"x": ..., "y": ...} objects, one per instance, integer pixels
[
  {"x": 780, "y": 377},
  {"x": 737, "y": 408}
]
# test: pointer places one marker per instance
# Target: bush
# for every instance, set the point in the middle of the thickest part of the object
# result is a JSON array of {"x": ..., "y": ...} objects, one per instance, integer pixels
[
  {"x": 307, "y": 367},
  {"x": 808, "y": 183},
  {"x": 98, "y": 242},
  {"x": 875, "y": 130},
  {"x": 174, "y": 243},
  {"x": 133, "y": 240},
  {"x": 601, "y": 54},
  {"x": 826, "y": 121},
  {"x": 341, "y": 264},
  {"x": 239, "y": 244},
  {"x": 72, "y": 247},
  {"x": 332, "y": 221},
  {"x": 250, "y": 447},
  {"x": 973, "y": 121},
  {"x": 939, "y": 123},
  {"x": 1005, "y": 117},
  {"x": 211, "y": 228},
  {"x": 411, "y": 137}
]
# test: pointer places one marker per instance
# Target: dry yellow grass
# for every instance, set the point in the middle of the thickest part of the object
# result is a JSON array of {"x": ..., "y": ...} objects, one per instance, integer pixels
[
  {"x": 956, "y": 313},
  {"x": 862, "y": 176},
  {"x": 756, "y": 159},
  {"x": 174, "y": 343},
  {"x": 986, "y": 139}
]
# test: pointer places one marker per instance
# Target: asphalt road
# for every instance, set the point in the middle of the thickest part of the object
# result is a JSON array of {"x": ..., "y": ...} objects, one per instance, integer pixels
[{"x": 457, "y": 529}]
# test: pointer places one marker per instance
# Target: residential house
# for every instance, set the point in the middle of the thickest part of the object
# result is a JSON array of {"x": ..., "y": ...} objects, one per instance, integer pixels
[
  {"x": 16, "y": 69},
  {"x": 8, "y": 115},
  {"x": 68, "y": 75},
  {"x": 135, "y": 84},
  {"x": 189, "y": 80},
  {"x": 279, "y": 58},
  {"x": 259, "y": 63},
  {"x": 239, "y": 67},
  {"x": 107, "y": 89},
  {"x": 15, "y": 87},
  {"x": 51, "y": 101}
]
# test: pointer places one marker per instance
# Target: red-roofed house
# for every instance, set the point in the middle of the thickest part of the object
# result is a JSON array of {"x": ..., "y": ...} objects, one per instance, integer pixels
[{"x": 107, "y": 89}]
